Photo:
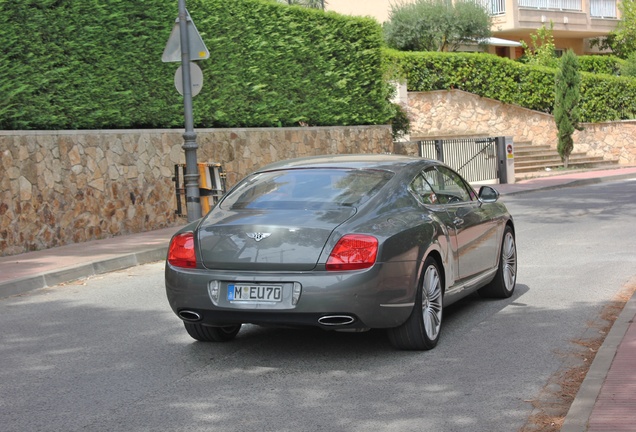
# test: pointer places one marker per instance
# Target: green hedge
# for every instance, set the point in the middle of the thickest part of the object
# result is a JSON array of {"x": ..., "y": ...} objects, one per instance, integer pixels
[
  {"x": 603, "y": 97},
  {"x": 601, "y": 64},
  {"x": 92, "y": 64}
]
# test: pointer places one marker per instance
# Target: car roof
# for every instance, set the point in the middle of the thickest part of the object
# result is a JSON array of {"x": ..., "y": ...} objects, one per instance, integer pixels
[{"x": 353, "y": 161}]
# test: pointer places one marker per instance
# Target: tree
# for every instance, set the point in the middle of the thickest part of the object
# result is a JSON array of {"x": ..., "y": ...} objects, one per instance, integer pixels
[
  {"x": 436, "y": 25},
  {"x": 621, "y": 40},
  {"x": 566, "y": 103},
  {"x": 541, "y": 50}
]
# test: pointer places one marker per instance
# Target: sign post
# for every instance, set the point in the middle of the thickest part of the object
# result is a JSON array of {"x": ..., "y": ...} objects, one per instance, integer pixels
[{"x": 188, "y": 33}]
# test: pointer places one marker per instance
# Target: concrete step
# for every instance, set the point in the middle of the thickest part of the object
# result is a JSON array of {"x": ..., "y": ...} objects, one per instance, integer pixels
[
  {"x": 550, "y": 160},
  {"x": 592, "y": 163},
  {"x": 531, "y": 158},
  {"x": 528, "y": 148}
]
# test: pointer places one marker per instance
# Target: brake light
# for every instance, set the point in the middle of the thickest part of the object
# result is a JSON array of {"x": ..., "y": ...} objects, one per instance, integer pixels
[
  {"x": 181, "y": 251},
  {"x": 353, "y": 252}
]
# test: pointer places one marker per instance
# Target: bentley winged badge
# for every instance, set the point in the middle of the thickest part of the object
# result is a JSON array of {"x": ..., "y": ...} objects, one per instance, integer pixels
[{"x": 258, "y": 236}]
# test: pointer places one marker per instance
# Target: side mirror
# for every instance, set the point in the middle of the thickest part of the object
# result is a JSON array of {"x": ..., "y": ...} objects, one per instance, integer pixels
[{"x": 488, "y": 194}]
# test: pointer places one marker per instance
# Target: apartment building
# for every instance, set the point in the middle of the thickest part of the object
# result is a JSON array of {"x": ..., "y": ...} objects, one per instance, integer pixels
[{"x": 575, "y": 22}]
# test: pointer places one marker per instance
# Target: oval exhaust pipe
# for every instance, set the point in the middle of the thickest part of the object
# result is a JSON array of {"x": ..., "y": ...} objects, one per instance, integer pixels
[
  {"x": 336, "y": 320},
  {"x": 190, "y": 316}
]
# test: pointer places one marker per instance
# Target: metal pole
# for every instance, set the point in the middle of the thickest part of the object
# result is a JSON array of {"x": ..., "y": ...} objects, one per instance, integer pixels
[
  {"x": 502, "y": 169},
  {"x": 191, "y": 177}
]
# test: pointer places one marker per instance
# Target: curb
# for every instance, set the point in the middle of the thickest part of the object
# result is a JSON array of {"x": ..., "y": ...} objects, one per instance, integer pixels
[
  {"x": 580, "y": 411},
  {"x": 72, "y": 273},
  {"x": 573, "y": 183}
]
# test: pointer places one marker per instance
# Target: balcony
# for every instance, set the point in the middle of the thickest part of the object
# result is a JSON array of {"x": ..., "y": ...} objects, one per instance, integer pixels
[
  {"x": 494, "y": 7},
  {"x": 603, "y": 9},
  {"x": 556, "y": 5}
]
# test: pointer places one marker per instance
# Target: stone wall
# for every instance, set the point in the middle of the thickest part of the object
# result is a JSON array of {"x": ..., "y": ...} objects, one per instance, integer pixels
[
  {"x": 66, "y": 187},
  {"x": 439, "y": 114}
]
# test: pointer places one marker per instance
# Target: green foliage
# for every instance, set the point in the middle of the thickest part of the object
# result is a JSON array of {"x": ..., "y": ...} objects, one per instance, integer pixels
[
  {"x": 82, "y": 64},
  {"x": 400, "y": 123},
  {"x": 94, "y": 64},
  {"x": 607, "y": 98},
  {"x": 529, "y": 86},
  {"x": 566, "y": 103},
  {"x": 610, "y": 65},
  {"x": 621, "y": 40},
  {"x": 541, "y": 50},
  {"x": 603, "y": 97},
  {"x": 628, "y": 68},
  {"x": 436, "y": 25}
]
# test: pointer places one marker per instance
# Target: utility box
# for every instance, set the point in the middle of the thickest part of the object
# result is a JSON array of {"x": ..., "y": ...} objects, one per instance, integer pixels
[
  {"x": 506, "y": 160},
  {"x": 211, "y": 186}
]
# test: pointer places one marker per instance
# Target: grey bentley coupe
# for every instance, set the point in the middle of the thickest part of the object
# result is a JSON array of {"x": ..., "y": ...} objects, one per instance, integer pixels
[{"x": 346, "y": 242}]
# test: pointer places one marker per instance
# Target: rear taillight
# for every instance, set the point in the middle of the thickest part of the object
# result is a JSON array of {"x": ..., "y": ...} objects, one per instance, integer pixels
[
  {"x": 353, "y": 252},
  {"x": 181, "y": 251}
]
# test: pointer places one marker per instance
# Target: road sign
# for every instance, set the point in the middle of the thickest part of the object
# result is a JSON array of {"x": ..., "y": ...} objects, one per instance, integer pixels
[
  {"x": 172, "y": 51},
  {"x": 196, "y": 79}
]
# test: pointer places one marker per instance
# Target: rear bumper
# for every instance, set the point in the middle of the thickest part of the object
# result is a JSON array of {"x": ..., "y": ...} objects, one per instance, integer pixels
[{"x": 379, "y": 297}]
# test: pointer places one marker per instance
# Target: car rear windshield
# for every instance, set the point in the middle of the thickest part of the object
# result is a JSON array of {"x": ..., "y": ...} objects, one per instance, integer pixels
[{"x": 306, "y": 189}]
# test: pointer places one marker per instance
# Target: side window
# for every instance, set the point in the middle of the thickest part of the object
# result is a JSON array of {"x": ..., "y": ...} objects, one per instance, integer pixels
[
  {"x": 420, "y": 187},
  {"x": 448, "y": 185}
]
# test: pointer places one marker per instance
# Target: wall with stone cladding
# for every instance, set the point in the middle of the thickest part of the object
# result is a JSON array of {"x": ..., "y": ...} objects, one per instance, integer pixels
[
  {"x": 610, "y": 140},
  {"x": 439, "y": 114},
  {"x": 62, "y": 187}
]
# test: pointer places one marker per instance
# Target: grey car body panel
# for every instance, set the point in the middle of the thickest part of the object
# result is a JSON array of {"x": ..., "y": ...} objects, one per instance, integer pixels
[
  {"x": 379, "y": 297},
  {"x": 293, "y": 242}
]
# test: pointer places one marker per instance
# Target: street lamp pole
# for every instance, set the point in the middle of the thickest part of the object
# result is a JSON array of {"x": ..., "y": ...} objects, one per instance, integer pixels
[{"x": 191, "y": 177}]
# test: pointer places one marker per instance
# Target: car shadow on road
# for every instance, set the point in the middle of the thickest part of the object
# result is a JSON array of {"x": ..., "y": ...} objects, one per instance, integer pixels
[{"x": 334, "y": 346}]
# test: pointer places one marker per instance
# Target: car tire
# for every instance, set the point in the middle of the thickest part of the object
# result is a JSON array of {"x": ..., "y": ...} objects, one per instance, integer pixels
[
  {"x": 421, "y": 330},
  {"x": 503, "y": 285},
  {"x": 212, "y": 334}
]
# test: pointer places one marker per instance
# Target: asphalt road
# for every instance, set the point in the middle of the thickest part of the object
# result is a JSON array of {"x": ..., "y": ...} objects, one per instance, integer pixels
[{"x": 107, "y": 354}]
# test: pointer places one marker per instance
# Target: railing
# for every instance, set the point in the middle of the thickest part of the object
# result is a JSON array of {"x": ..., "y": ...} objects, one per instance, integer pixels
[
  {"x": 494, "y": 7},
  {"x": 603, "y": 8},
  {"x": 574, "y": 5}
]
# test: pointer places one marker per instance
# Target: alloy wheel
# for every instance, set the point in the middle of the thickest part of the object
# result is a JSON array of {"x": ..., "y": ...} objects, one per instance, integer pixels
[
  {"x": 432, "y": 302},
  {"x": 509, "y": 261}
]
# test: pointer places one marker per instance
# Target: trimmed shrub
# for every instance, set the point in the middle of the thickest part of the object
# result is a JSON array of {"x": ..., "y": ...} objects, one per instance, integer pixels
[
  {"x": 603, "y": 97},
  {"x": 94, "y": 64},
  {"x": 610, "y": 65}
]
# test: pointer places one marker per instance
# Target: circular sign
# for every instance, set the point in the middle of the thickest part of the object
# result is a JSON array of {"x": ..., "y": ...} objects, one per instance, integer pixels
[
  {"x": 509, "y": 148},
  {"x": 196, "y": 79}
]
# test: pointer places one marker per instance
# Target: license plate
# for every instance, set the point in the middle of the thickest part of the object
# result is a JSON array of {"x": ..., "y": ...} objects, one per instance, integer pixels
[{"x": 255, "y": 293}]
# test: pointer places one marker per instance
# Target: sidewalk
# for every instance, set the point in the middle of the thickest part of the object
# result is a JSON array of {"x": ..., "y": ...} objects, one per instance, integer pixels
[
  {"x": 606, "y": 400},
  {"x": 33, "y": 270}
]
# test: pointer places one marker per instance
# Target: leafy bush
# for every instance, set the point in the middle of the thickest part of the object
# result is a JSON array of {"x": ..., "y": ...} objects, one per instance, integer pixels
[
  {"x": 603, "y": 97},
  {"x": 610, "y": 65},
  {"x": 541, "y": 50},
  {"x": 607, "y": 98},
  {"x": 628, "y": 67},
  {"x": 97, "y": 64}
]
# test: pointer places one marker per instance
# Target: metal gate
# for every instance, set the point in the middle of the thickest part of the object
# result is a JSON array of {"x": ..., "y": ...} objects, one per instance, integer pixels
[{"x": 474, "y": 158}]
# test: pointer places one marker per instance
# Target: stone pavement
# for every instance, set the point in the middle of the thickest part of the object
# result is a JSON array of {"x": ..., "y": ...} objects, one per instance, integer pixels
[{"x": 605, "y": 402}]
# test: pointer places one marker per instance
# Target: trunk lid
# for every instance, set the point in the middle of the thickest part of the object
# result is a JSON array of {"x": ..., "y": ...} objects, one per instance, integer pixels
[{"x": 268, "y": 240}]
